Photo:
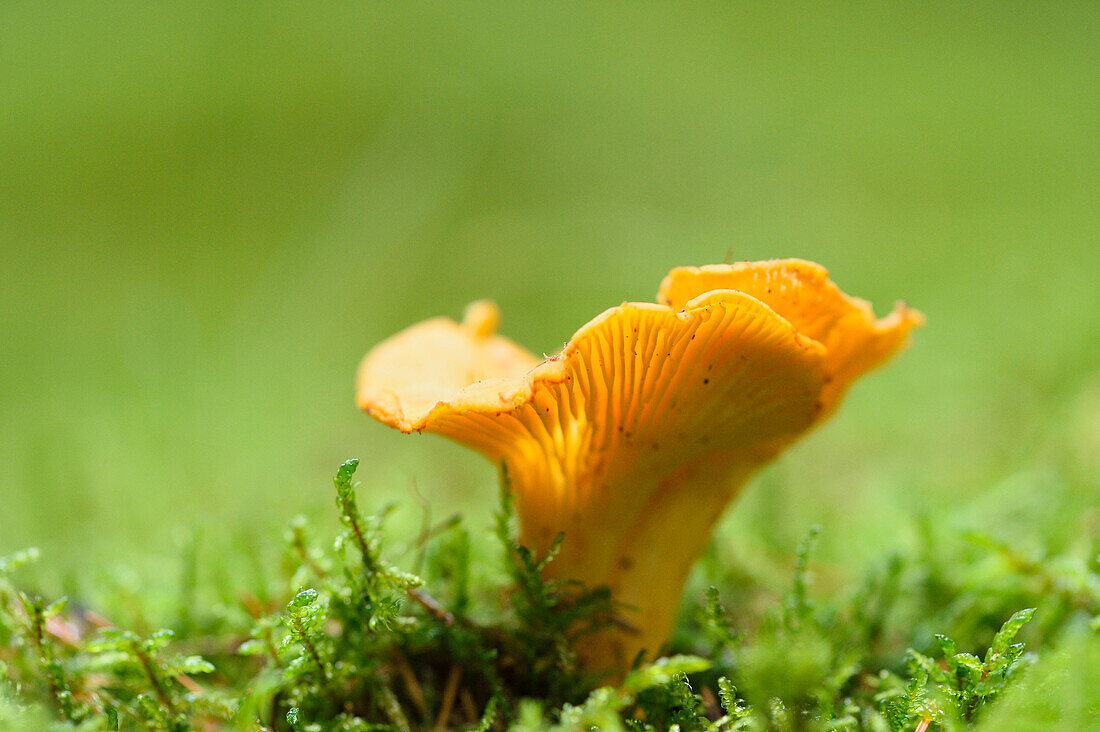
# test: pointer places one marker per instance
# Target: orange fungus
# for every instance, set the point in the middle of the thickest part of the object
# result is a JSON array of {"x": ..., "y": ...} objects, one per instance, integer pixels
[{"x": 634, "y": 438}]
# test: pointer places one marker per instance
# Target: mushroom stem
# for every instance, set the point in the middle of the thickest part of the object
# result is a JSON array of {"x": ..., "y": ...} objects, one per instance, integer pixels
[{"x": 644, "y": 559}]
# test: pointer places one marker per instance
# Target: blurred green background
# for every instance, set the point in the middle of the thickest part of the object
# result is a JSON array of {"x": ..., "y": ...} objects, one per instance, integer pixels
[{"x": 209, "y": 212}]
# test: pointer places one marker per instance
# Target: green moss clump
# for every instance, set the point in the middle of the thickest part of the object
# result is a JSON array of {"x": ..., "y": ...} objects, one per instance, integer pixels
[{"x": 351, "y": 639}]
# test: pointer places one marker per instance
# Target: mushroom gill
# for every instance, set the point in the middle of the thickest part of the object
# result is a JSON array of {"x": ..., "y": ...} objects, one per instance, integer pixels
[{"x": 636, "y": 436}]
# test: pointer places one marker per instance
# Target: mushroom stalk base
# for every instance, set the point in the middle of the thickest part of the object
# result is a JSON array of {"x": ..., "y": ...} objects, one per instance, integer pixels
[{"x": 644, "y": 560}]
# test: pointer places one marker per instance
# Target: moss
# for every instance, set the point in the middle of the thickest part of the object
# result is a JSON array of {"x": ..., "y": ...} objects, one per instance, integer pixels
[{"x": 348, "y": 638}]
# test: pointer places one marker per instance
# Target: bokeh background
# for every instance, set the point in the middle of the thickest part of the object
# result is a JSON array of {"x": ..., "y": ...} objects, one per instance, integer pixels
[{"x": 209, "y": 211}]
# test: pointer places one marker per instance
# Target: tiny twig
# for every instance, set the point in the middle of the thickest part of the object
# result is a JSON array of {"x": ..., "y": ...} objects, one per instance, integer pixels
[
  {"x": 710, "y": 703},
  {"x": 188, "y": 683},
  {"x": 468, "y": 706},
  {"x": 619, "y": 622},
  {"x": 450, "y": 689},
  {"x": 252, "y": 605},
  {"x": 416, "y": 692},
  {"x": 63, "y": 631},
  {"x": 434, "y": 608}
]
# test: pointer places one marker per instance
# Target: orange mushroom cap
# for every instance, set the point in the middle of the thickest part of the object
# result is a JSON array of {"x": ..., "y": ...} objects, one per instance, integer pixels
[{"x": 636, "y": 436}]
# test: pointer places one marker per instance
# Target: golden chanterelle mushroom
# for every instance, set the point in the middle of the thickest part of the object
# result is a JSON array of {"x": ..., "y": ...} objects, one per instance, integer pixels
[{"x": 637, "y": 435}]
